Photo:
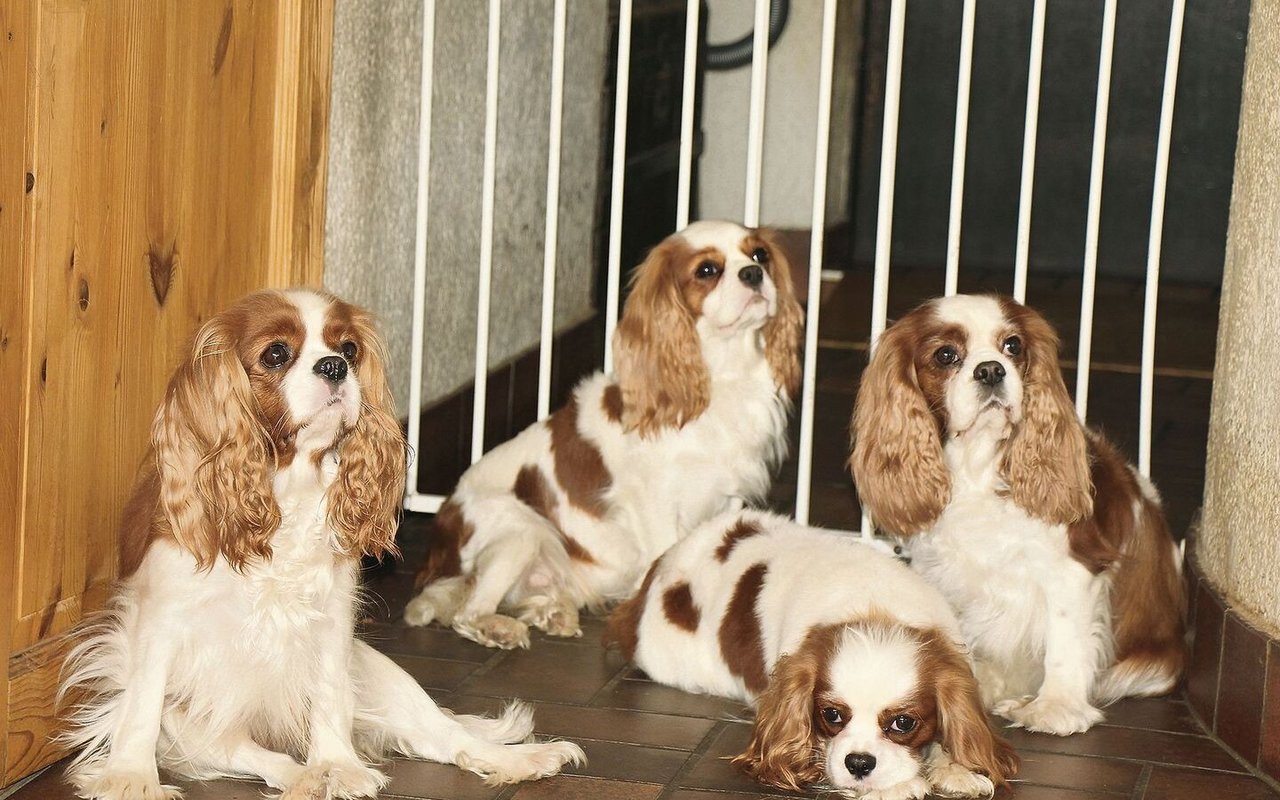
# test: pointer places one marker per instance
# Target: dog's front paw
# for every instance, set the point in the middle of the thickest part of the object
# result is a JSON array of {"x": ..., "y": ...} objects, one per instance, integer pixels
[
  {"x": 514, "y": 763},
  {"x": 495, "y": 630},
  {"x": 1048, "y": 714},
  {"x": 914, "y": 789},
  {"x": 125, "y": 786},
  {"x": 953, "y": 780},
  {"x": 336, "y": 781},
  {"x": 557, "y": 617}
]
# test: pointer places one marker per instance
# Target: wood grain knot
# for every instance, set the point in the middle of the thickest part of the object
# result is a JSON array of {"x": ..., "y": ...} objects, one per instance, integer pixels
[
  {"x": 31, "y": 182},
  {"x": 83, "y": 294},
  {"x": 161, "y": 264},
  {"x": 224, "y": 41}
]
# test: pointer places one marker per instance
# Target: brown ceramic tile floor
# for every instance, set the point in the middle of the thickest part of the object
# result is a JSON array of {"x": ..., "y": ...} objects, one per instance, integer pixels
[{"x": 647, "y": 741}]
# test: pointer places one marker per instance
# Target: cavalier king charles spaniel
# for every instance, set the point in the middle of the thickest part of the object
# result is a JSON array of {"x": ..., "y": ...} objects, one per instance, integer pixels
[
  {"x": 276, "y": 462},
  {"x": 856, "y": 666},
  {"x": 1052, "y": 549},
  {"x": 571, "y": 512}
]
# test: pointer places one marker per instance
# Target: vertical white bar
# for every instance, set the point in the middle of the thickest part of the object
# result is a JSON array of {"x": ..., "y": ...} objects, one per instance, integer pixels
[
  {"x": 1156, "y": 236},
  {"x": 755, "y": 114},
  {"x": 553, "y": 211},
  {"x": 960, "y": 148},
  {"x": 888, "y": 166},
  {"x": 486, "y": 232},
  {"x": 1029, "y": 153},
  {"x": 804, "y": 471},
  {"x": 686, "y": 112},
  {"x": 414, "y": 411},
  {"x": 1095, "y": 206},
  {"x": 619, "y": 169}
]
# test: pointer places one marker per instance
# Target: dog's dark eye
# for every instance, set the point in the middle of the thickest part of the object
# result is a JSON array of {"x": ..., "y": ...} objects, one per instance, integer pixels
[
  {"x": 276, "y": 355},
  {"x": 349, "y": 351},
  {"x": 1012, "y": 346},
  {"x": 707, "y": 269},
  {"x": 946, "y": 355},
  {"x": 902, "y": 724},
  {"x": 832, "y": 716},
  {"x": 760, "y": 255}
]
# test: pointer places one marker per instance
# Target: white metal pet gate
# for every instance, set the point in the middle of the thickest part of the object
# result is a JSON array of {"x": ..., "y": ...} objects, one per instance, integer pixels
[{"x": 417, "y": 501}]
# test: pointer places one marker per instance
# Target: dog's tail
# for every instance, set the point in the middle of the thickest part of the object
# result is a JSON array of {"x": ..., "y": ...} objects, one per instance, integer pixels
[
  {"x": 1148, "y": 611},
  {"x": 449, "y": 531},
  {"x": 623, "y": 628}
]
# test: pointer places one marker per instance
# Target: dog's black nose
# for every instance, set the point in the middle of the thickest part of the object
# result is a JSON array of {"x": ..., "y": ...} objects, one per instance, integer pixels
[
  {"x": 331, "y": 368},
  {"x": 752, "y": 275},
  {"x": 989, "y": 373},
  {"x": 860, "y": 764}
]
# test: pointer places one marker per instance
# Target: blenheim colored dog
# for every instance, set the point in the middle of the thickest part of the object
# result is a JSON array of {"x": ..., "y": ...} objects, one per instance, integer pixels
[
  {"x": 276, "y": 461},
  {"x": 572, "y": 511},
  {"x": 1053, "y": 551},
  {"x": 856, "y": 666}
]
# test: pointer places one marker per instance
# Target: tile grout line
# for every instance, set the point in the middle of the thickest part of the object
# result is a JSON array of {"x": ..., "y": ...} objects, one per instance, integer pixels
[
  {"x": 1140, "y": 787},
  {"x": 673, "y": 785}
]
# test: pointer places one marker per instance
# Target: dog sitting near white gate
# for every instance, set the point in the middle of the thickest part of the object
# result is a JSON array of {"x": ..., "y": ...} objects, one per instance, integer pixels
[
  {"x": 856, "y": 665},
  {"x": 571, "y": 512},
  {"x": 276, "y": 462},
  {"x": 1053, "y": 550}
]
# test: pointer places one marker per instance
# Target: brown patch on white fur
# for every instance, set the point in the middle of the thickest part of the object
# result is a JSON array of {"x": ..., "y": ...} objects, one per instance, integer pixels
[
  {"x": 611, "y": 403},
  {"x": 679, "y": 608},
  {"x": 450, "y": 531},
  {"x": 962, "y": 724},
  {"x": 741, "y": 529},
  {"x": 579, "y": 467},
  {"x": 897, "y": 436},
  {"x": 1046, "y": 460},
  {"x": 622, "y": 630},
  {"x": 533, "y": 489},
  {"x": 741, "y": 641}
]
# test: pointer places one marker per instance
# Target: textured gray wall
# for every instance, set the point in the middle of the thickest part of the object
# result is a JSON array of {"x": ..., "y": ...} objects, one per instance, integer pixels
[
  {"x": 372, "y": 189},
  {"x": 1237, "y": 544},
  {"x": 791, "y": 116}
]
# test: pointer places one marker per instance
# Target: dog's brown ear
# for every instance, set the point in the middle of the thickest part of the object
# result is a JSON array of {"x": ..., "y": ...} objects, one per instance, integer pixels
[
  {"x": 1047, "y": 460},
  {"x": 782, "y": 333},
  {"x": 966, "y": 732},
  {"x": 656, "y": 351},
  {"x": 897, "y": 447},
  {"x": 783, "y": 751}
]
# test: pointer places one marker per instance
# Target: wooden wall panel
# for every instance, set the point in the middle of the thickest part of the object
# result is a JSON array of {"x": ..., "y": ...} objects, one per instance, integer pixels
[
  {"x": 14, "y": 36},
  {"x": 178, "y": 157}
]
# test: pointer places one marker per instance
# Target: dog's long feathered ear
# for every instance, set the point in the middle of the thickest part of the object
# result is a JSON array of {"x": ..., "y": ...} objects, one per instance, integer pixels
[
  {"x": 897, "y": 446},
  {"x": 656, "y": 352},
  {"x": 783, "y": 750},
  {"x": 213, "y": 458},
  {"x": 1047, "y": 459},
  {"x": 364, "y": 500},
  {"x": 966, "y": 733},
  {"x": 782, "y": 333}
]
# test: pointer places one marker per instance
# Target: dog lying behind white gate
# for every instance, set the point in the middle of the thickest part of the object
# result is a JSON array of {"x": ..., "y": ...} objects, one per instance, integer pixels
[
  {"x": 572, "y": 511},
  {"x": 276, "y": 461},
  {"x": 856, "y": 665}
]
